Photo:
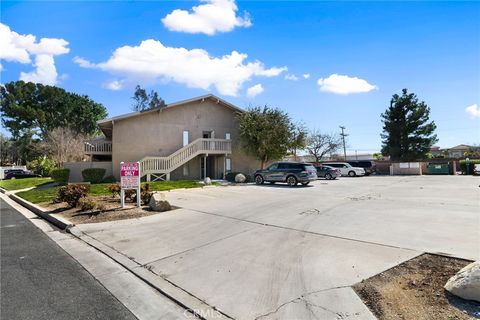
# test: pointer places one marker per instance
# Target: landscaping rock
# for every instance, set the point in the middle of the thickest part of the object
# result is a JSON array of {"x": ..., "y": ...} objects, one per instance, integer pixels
[
  {"x": 240, "y": 178},
  {"x": 158, "y": 203},
  {"x": 466, "y": 283},
  {"x": 207, "y": 181}
]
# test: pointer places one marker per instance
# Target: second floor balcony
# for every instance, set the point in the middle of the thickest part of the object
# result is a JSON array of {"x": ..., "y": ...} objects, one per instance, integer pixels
[{"x": 98, "y": 147}]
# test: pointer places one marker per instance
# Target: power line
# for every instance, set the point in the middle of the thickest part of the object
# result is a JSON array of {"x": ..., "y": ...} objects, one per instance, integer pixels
[{"x": 343, "y": 138}]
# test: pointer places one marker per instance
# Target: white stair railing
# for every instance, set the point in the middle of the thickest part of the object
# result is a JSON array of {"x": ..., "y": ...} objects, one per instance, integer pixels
[{"x": 165, "y": 165}]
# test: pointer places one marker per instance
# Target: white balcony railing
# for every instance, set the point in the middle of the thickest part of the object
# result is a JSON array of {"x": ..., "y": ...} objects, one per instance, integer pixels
[{"x": 98, "y": 147}]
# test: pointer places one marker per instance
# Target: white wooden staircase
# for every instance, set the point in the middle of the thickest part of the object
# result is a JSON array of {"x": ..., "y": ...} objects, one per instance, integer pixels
[{"x": 160, "y": 167}]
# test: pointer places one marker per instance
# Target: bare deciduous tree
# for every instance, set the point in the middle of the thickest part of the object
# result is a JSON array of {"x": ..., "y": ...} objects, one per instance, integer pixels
[
  {"x": 64, "y": 145},
  {"x": 320, "y": 144}
]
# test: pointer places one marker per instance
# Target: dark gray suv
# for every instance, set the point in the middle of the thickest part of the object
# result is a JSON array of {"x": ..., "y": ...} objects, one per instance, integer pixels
[{"x": 289, "y": 172}]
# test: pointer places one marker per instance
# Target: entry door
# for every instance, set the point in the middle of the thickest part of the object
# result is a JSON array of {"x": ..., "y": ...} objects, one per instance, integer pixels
[{"x": 210, "y": 167}]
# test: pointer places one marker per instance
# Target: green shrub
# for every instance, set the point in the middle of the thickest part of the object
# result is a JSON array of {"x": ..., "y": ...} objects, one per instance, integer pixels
[
  {"x": 60, "y": 175},
  {"x": 145, "y": 193},
  {"x": 93, "y": 175},
  {"x": 42, "y": 165},
  {"x": 230, "y": 177},
  {"x": 109, "y": 179},
  {"x": 130, "y": 195},
  {"x": 72, "y": 194},
  {"x": 471, "y": 164},
  {"x": 87, "y": 204},
  {"x": 114, "y": 188}
]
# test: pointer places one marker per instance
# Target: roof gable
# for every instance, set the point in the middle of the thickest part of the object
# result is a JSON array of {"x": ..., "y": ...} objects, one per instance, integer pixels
[
  {"x": 460, "y": 147},
  {"x": 106, "y": 125},
  {"x": 173, "y": 105}
]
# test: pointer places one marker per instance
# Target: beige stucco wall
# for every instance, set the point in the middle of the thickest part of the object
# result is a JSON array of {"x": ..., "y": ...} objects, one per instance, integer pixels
[
  {"x": 160, "y": 133},
  {"x": 76, "y": 169}
]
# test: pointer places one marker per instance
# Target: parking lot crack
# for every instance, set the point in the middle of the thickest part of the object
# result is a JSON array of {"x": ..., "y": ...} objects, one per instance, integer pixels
[
  {"x": 308, "y": 304},
  {"x": 305, "y": 231}
]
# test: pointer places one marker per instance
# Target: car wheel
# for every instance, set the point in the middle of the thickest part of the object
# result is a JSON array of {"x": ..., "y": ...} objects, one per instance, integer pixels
[
  {"x": 352, "y": 174},
  {"x": 305, "y": 183},
  {"x": 328, "y": 176},
  {"x": 292, "y": 181},
  {"x": 259, "y": 179}
]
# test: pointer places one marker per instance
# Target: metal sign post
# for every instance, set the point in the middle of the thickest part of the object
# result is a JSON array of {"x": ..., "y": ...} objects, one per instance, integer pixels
[{"x": 129, "y": 179}]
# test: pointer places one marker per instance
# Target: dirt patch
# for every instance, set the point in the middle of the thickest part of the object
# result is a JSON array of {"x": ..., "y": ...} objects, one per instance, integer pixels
[
  {"x": 414, "y": 290},
  {"x": 112, "y": 211}
]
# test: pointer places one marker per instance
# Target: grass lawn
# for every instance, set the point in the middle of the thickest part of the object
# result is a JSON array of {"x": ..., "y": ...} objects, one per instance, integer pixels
[
  {"x": 48, "y": 194},
  {"x": 17, "y": 184}
]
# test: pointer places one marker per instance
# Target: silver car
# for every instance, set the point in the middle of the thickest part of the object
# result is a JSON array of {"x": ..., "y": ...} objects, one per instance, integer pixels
[{"x": 346, "y": 169}]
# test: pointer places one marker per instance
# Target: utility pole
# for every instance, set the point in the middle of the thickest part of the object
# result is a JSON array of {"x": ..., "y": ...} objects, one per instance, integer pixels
[{"x": 344, "y": 148}]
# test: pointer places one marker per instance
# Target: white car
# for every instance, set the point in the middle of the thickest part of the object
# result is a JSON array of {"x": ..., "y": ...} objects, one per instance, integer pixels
[
  {"x": 346, "y": 169},
  {"x": 476, "y": 169}
]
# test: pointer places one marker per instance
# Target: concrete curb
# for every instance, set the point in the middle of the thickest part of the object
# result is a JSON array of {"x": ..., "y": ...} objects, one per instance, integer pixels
[
  {"x": 168, "y": 289},
  {"x": 56, "y": 221}
]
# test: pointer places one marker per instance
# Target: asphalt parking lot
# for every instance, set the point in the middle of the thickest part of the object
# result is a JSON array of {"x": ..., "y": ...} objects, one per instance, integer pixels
[{"x": 274, "y": 252}]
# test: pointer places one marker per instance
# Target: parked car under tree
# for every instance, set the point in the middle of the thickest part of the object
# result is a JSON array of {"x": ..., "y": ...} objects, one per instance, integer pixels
[
  {"x": 20, "y": 174},
  {"x": 369, "y": 166},
  {"x": 290, "y": 172}
]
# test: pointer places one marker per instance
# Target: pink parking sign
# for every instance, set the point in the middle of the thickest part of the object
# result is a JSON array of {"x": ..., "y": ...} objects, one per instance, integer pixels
[{"x": 129, "y": 179}]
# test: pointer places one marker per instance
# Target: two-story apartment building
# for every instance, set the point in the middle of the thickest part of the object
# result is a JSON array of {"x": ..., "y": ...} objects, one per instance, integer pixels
[{"x": 189, "y": 139}]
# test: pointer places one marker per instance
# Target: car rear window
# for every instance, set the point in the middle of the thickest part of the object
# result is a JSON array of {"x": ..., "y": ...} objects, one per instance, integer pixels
[
  {"x": 309, "y": 167},
  {"x": 335, "y": 165},
  {"x": 296, "y": 166},
  {"x": 362, "y": 164}
]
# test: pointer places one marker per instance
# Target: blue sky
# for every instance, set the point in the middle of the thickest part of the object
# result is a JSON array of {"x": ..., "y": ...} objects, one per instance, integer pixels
[{"x": 362, "y": 52}]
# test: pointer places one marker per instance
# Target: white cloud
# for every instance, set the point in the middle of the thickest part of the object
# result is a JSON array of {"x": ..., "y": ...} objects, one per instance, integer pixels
[
  {"x": 114, "y": 85},
  {"x": 473, "y": 111},
  {"x": 83, "y": 63},
  {"x": 341, "y": 84},
  {"x": 45, "y": 71},
  {"x": 306, "y": 75},
  {"x": 151, "y": 61},
  {"x": 254, "y": 90},
  {"x": 291, "y": 77},
  {"x": 15, "y": 47},
  {"x": 209, "y": 18}
]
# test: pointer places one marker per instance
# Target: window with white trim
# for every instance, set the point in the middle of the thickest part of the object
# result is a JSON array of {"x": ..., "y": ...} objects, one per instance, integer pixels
[
  {"x": 227, "y": 135},
  {"x": 185, "y": 138},
  {"x": 228, "y": 164}
]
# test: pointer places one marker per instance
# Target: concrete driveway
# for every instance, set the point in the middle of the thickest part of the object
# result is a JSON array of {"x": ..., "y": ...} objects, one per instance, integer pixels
[{"x": 274, "y": 252}]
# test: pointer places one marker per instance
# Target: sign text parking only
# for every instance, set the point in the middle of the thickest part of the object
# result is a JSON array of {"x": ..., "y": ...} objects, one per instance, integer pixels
[{"x": 129, "y": 179}]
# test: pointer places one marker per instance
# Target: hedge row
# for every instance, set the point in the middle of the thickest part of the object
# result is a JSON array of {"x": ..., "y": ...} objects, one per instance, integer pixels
[
  {"x": 60, "y": 175},
  {"x": 471, "y": 164},
  {"x": 93, "y": 175}
]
